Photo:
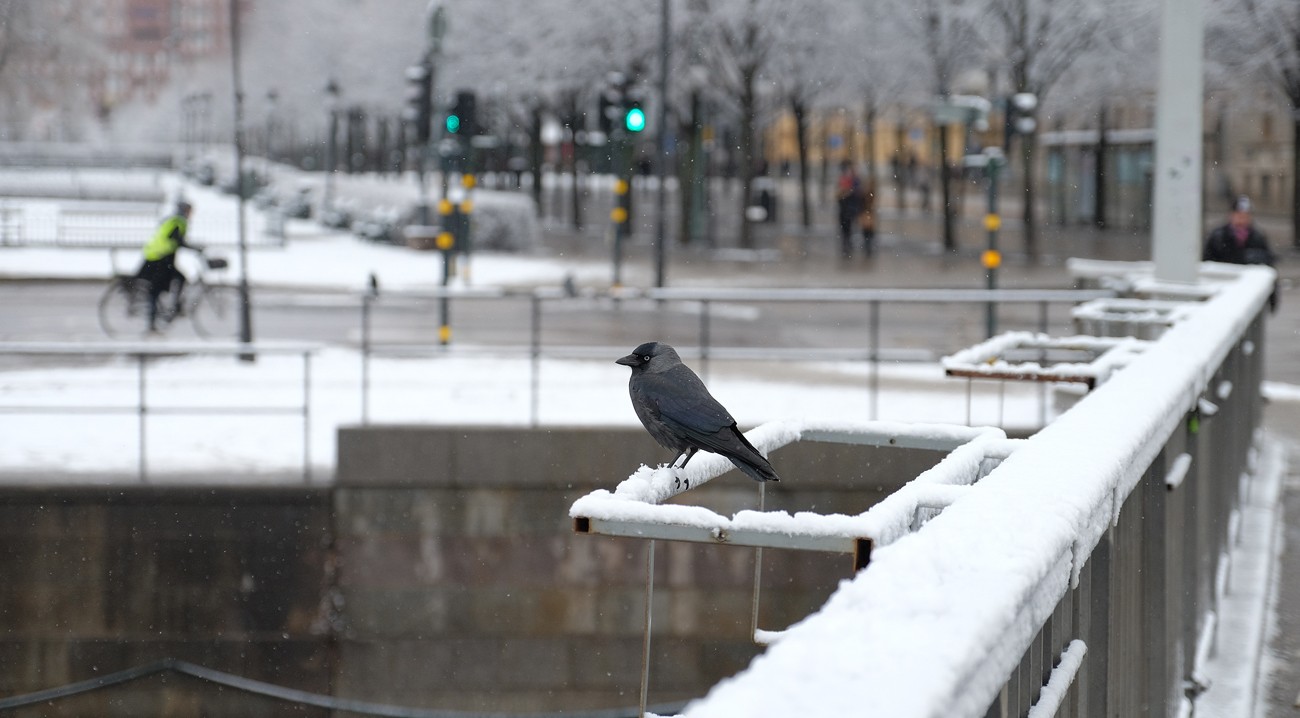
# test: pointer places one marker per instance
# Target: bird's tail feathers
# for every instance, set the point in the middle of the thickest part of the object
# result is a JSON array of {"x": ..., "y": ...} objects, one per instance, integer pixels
[{"x": 756, "y": 471}]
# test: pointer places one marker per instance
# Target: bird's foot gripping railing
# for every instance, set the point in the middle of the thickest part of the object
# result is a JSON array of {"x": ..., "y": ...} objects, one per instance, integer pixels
[{"x": 637, "y": 508}]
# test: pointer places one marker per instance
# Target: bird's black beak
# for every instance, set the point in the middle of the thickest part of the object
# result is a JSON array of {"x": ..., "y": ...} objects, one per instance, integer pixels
[{"x": 629, "y": 360}]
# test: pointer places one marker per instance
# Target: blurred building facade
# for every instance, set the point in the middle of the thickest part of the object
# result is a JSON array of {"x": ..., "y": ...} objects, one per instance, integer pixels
[
  {"x": 145, "y": 39},
  {"x": 1249, "y": 139}
]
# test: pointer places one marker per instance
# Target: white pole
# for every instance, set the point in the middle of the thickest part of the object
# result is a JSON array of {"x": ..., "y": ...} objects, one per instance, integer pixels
[{"x": 1177, "y": 232}]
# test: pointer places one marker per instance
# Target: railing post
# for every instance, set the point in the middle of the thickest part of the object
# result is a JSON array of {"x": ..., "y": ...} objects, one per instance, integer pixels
[
  {"x": 874, "y": 358},
  {"x": 365, "y": 358},
  {"x": 535, "y": 359},
  {"x": 306, "y": 417},
  {"x": 704, "y": 339},
  {"x": 649, "y": 614},
  {"x": 143, "y": 470}
]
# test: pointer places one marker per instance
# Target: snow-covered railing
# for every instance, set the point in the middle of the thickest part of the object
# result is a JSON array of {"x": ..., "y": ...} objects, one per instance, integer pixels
[
  {"x": 1128, "y": 317},
  {"x": 1023, "y": 356},
  {"x": 636, "y": 507},
  {"x": 1077, "y": 578}
]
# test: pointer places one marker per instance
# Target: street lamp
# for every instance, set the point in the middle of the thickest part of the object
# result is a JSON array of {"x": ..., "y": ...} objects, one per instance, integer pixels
[{"x": 332, "y": 128}]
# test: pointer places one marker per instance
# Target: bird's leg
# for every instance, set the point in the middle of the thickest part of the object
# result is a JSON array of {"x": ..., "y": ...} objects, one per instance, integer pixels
[
  {"x": 683, "y": 456},
  {"x": 688, "y": 452}
]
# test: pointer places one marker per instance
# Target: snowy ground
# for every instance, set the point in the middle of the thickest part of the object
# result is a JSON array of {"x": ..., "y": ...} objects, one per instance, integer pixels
[{"x": 453, "y": 390}]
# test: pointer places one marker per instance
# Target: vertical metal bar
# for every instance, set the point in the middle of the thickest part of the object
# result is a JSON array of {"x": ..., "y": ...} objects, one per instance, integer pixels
[
  {"x": 142, "y": 466},
  {"x": 306, "y": 417},
  {"x": 1042, "y": 386},
  {"x": 649, "y": 612},
  {"x": 704, "y": 339},
  {"x": 535, "y": 367},
  {"x": 758, "y": 565},
  {"x": 873, "y": 315},
  {"x": 970, "y": 390},
  {"x": 1002, "y": 403},
  {"x": 365, "y": 359}
]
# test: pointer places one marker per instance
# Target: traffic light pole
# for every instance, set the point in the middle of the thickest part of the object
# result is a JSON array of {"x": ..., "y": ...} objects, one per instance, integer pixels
[
  {"x": 661, "y": 134},
  {"x": 992, "y": 257},
  {"x": 622, "y": 212}
]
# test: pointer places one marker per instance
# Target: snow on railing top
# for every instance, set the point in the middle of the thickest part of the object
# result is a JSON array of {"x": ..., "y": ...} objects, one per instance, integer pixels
[
  {"x": 639, "y": 498},
  {"x": 942, "y": 616},
  {"x": 1127, "y": 310},
  {"x": 994, "y": 358}
]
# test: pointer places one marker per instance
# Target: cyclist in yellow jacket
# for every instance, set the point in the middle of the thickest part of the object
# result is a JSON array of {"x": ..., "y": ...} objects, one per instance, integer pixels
[{"x": 159, "y": 268}]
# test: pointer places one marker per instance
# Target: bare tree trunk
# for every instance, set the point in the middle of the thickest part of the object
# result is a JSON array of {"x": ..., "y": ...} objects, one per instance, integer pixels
[
  {"x": 899, "y": 164},
  {"x": 1099, "y": 210},
  {"x": 748, "y": 109},
  {"x": 869, "y": 139},
  {"x": 945, "y": 180},
  {"x": 1295, "y": 176},
  {"x": 535, "y": 156},
  {"x": 1027, "y": 143},
  {"x": 801, "y": 137}
]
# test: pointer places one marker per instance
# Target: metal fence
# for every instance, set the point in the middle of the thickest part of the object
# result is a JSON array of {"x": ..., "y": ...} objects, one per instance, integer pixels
[
  {"x": 144, "y": 356},
  {"x": 110, "y": 225},
  {"x": 865, "y": 342}
]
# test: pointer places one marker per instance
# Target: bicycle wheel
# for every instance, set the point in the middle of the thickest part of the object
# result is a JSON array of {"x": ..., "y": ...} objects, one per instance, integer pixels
[
  {"x": 124, "y": 308},
  {"x": 216, "y": 312}
]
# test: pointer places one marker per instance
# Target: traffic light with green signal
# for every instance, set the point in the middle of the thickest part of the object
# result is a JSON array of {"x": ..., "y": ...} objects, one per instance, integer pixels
[
  {"x": 634, "y": 120},
  {"x": 633, "y": 114}
]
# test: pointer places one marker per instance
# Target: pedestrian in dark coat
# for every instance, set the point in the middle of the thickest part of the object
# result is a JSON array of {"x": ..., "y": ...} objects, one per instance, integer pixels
[
  {"x": 1240, "y": 242},
  {"x": 867, "y": 217},
  {"x": 848, "y": 195}
]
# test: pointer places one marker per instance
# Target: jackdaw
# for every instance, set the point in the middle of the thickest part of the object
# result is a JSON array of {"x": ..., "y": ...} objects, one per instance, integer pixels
[{"x": 678, "y": 411}]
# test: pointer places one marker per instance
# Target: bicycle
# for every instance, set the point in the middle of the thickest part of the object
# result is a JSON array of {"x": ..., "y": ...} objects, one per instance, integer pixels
[{"x": 213, "y": 308}]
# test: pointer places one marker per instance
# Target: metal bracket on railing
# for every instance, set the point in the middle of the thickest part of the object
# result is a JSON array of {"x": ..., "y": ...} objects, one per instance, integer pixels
[
  {"x": 1025, "y": 356},
  {"x": 636, "y": 509}
]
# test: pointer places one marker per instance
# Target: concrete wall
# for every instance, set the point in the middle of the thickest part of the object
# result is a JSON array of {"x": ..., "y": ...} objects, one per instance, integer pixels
[
  {"x": 464, "y": 586},
  {"x": 441, "y": 571},
  {"x": 98, "y": 580}
]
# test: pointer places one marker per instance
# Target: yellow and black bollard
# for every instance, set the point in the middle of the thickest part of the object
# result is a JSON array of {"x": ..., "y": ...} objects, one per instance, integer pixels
[
  {"x": 446, "y": 242},
  {"x": 620, "y": 216}
]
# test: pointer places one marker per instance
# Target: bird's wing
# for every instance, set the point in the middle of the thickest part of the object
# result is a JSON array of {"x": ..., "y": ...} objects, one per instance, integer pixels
[
  {"x": 681, "y": 399},
  {"x": 685, "y": 414}
]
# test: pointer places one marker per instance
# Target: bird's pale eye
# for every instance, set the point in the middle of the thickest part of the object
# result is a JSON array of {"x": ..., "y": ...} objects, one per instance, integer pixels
[{"x": 645, "y": 358}]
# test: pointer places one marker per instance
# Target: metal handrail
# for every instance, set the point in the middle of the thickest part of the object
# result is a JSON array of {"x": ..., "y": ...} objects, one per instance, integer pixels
[
  {"x": 143, "y": 353},
  {"x": 705, "y": 350}
]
